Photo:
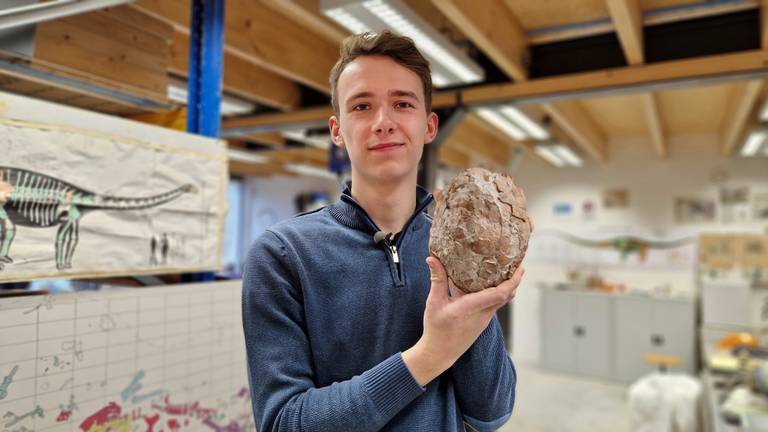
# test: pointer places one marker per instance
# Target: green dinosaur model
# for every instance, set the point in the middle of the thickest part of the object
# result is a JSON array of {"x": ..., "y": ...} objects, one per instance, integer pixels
[
  {"x": 627, "y": 245},
  {"x": 36, "y": 200}
]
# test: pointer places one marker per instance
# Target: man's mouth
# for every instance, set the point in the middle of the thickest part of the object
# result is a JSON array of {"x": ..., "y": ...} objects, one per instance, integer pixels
[{"x": 385, "y": 146}]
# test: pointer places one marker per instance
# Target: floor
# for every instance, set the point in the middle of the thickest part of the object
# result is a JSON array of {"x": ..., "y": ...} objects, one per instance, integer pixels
[{"x": 551, "y": 402}]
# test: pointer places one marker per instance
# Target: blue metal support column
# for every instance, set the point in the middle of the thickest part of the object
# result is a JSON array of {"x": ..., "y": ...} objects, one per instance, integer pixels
[{"x": 206, "y": 63}]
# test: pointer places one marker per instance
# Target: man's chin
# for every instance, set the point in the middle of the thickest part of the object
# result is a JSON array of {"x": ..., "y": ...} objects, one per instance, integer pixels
[{"x": 393, "y": 176}]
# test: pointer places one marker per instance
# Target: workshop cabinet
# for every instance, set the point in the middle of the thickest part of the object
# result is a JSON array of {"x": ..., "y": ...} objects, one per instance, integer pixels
[
  {"x": 609, "y": 335},
  {"x": 576, "y": 333}
]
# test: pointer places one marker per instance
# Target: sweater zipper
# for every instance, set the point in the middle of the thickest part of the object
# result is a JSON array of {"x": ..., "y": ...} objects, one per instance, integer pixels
[{"x": 395, "y": 256}]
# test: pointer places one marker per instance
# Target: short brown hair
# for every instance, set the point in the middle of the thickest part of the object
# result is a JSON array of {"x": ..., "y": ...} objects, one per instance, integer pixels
[{"x": 399, "y": 48}]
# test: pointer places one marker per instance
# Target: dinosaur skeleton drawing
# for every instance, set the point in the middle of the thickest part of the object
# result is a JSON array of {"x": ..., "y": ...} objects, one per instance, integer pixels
[{"x": 31, "y": 199}]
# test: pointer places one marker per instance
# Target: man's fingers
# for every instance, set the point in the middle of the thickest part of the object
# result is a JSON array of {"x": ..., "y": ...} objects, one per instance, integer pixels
[{"x": 494, "y": 297}]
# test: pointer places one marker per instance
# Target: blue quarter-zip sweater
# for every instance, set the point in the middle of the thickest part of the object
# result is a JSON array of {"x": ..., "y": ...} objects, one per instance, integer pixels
[{"x": 327, "y": 313}]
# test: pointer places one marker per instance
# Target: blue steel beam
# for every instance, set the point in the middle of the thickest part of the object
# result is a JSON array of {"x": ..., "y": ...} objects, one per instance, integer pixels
[{"x": 206, "y": 63}]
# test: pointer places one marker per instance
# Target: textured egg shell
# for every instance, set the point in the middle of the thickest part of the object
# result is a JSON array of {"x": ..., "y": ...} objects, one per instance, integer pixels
[{"x": 480, "y": 229}]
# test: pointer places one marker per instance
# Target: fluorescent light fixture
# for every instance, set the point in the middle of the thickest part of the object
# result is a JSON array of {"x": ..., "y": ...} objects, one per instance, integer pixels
[
  {"x": 754, "y": 141},
  {"x": 567, "y": 155},
  {"x": 439, "y": 80},
  {"x": 450, "y": 66},
  {"x": 502, "y": 123},
  {"x": 513, "y": 122},
  {"x": 547, "y": 154},
  {"x": 246, "y": 156},
  {"x": 177, "y": 92},
  {"x": 764, "y": 111},
  {"x": 319, "y": 141},
  {"x": 39, "y": 12},
  {"x": 524, "y": 122},
  {"x": 347, "y": 20},
  {"x": 559, "y": 155},
  {"x": 309, "y": 170}
]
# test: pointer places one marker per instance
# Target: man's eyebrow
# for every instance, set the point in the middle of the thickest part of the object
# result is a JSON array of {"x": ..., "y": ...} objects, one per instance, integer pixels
[
  {"x": 395, "y": 93},
  {"x": 404, "y": 93},
  {"x": 361, "y": 95}
]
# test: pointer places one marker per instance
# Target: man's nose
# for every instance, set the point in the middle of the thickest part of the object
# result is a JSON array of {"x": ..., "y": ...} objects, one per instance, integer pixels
[{"x": 383, "y": 123}]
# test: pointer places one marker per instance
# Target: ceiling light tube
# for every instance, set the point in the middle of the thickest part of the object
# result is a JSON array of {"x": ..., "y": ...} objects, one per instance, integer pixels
[
  {"x": 753, "y": 143},
  {"x": 547, "y": 154},
  {"x": 764, "y": 111},
  {"x": 450, "y": 66},
  {"x": 246, "y": 156},
  {"x": 502, "y": 123},
  {"x": 525, "y": 123},
  {"x": 347, "y": 20},
  {"x": 309, "y": 170},
  {"x": 51, "y": 10},
  {"x": 319, "y": 141},
  {"x": 567, "y": 155},
  {"x": 177, "y": 92}
]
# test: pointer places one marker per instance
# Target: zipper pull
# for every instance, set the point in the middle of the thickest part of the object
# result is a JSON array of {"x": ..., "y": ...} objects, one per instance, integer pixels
[{"x": 395, "y": 256}]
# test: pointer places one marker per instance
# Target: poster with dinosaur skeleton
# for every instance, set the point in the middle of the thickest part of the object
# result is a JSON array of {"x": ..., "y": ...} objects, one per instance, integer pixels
[{"x": 85, "y": 194}]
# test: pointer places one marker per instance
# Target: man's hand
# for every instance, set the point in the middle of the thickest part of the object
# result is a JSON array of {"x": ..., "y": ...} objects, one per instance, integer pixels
[{"x": 453, "y": 323}]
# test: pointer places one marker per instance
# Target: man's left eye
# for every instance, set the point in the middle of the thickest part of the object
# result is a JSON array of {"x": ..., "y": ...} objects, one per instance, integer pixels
[{"x": 404, "y": 105}]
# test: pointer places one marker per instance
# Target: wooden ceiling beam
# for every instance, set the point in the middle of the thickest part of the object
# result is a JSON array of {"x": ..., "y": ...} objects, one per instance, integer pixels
[
  {"x": 627, "y": 18},
  {"x": 580, "y": 127},
  {"x": 271, "y": 139},
  {"x": 241, "y": 78},
  {"x": 567, "y": 87},
  {"x": 655, "y": 126},
  {"x": 495, "y": 29},
  {"x": 240, "y": 126},
  {"x": 248, "y": 169},
  {"x": 745, "y": 96},
  {"x": 260, "y": 35},
  {"x": 308, "y": 155},
  {"x": 453, "y": 157},
  {"x": 668, "y": 15},
  {"x": 575, "y": 86}
]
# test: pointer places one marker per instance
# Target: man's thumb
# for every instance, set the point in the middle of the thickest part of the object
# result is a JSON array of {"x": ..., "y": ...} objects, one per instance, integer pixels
[{"x": 437, "y": 276}]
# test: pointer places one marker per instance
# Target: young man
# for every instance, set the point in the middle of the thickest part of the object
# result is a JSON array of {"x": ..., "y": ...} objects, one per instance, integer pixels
[{"x": 345, "y": 329}]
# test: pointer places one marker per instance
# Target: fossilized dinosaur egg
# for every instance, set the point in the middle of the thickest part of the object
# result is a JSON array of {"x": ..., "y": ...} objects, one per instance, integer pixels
[{"x": 480, "y": 229}]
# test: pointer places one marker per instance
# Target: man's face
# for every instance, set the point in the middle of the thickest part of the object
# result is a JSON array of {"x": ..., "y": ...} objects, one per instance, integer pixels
[{"x": 382, "y": 121}]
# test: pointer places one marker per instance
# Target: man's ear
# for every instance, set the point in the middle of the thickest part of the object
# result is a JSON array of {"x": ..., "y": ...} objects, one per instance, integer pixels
[
  {"x": 432, "y": 121},
  {"x": 335, "y": 127}
]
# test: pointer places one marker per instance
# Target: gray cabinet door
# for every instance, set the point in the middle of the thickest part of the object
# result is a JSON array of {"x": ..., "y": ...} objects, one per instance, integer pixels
[
  {"x": 632, "y": 316},
  {"x": 672, "y": 329},
  {"x": 593, "y": 335},
  {"x": 557, "y": 331}
]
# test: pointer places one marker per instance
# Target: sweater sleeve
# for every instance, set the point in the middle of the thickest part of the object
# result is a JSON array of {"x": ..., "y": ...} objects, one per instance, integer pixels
[
  {"x": 280, "y": 366},
  {"x": 485, "y": 379}
]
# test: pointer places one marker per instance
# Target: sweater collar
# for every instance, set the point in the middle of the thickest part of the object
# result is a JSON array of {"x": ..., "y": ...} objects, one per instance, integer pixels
[{"x": 350, "y": 213}]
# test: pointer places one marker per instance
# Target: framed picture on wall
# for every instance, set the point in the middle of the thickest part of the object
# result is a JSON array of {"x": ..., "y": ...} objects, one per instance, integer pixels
[
  {"x": 615, "y": 198},
  {"x": 760, "y": 207},
  {"x": 694, "y": 210}
]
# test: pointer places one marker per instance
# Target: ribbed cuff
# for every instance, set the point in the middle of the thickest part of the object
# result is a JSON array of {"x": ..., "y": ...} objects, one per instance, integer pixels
[
  {"x": 493, "y": 425},
  {"x": 391, "y": 385}
]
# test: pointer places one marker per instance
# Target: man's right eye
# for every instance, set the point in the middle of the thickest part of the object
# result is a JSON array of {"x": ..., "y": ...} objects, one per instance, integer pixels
[{"x": 361, "y": 107}]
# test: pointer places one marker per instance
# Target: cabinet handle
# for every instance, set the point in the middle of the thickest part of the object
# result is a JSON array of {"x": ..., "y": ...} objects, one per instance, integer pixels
[
  {"x": 657, "y": 340},
  {"x": 579, "y": 331}
]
